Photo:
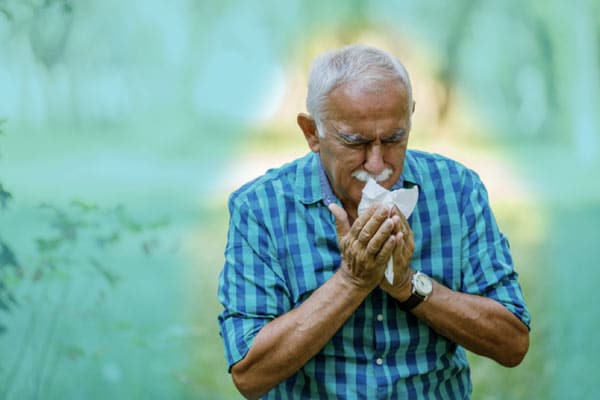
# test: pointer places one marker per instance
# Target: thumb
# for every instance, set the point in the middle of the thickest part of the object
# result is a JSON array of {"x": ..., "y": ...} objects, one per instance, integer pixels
[{"x": 342, "y": 224}]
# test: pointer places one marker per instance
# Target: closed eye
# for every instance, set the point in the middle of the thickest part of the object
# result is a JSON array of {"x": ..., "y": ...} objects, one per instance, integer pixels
[
  {"x": 350, "y": 139},
  {"x": 395, "y": 138}
]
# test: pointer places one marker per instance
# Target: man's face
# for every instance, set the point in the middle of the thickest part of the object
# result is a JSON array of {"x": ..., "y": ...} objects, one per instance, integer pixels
[{"x": 366, "y": 133}]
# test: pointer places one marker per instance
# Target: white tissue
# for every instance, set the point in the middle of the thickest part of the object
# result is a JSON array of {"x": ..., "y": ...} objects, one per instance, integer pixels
[{"x": 404, "y": 199}]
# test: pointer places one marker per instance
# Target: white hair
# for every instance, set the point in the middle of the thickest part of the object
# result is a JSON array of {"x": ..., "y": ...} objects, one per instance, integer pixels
[{"x": 350, "y": 63}]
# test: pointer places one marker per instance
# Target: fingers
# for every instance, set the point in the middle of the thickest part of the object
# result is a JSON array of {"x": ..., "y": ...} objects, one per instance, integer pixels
[
  {"x": 378, "y": 240},
  {"x": 367, "y": 246},
  {"x": 342, "y": 224},
  {"x": 402, "y": 228},
  {"x": 404, "y": 249},
  {"x": 362, "y": 220},
  {"x": 378, "y": 217},
  {"x": 402, "y": 224},
  {"x": 386, "y": 251},
  {"x": 371, "y": 231}
]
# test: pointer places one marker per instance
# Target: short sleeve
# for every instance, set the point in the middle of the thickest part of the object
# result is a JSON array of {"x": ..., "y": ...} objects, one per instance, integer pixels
[
  {"x": 487, "y": 264},
  {"x": 251, "y": 288}
]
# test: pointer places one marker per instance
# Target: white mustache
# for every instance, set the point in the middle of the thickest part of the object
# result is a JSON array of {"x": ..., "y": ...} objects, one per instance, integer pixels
[{"x": 364, "y": 176}]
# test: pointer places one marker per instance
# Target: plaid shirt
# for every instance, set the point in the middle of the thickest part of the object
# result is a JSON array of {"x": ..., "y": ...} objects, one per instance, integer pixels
[{"x": 282, "y": 245}]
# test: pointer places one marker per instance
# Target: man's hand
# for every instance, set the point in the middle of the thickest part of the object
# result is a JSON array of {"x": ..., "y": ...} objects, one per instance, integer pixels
[
  {"x": 402, "y": 255},
  {"x": 367, "y": 245}
]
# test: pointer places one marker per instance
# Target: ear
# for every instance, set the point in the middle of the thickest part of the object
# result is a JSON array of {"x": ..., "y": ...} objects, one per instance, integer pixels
[{"x": 309, "y": 128}]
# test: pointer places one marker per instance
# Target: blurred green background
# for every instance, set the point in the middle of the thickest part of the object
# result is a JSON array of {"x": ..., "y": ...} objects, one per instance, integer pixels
[{"x": 125, "y": 125}]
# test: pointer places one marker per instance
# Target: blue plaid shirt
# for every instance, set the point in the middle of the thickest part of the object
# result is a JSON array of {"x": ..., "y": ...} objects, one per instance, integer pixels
[{"x": 282, "y": 245}]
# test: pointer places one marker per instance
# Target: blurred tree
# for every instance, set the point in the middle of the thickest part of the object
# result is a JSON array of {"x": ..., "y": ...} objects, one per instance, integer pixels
[
  {"x": 7, "y": 258},
  {"x": 448, "y": 72},
  {"x": 49, "y": 30}
]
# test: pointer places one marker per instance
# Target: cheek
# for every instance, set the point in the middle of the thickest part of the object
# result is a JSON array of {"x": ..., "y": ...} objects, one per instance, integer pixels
[
  {"x": 342, "y": 170},
  {"x": 351, "y": 159},
  {"x": 345, "y": 166},
  {"x": 395, "y": 157}
]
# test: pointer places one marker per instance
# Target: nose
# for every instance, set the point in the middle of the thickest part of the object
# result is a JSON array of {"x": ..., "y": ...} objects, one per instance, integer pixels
[{"x": 374, "y": 160}]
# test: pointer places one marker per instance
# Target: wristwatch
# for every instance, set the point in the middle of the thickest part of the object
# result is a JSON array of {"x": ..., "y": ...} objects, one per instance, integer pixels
[{"x": 422, "y": 286}]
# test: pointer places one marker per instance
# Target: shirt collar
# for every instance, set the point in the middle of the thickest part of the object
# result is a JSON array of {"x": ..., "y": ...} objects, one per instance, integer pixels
[
  {"x": 410, "y": 172},
  {"x": 308, "y": 184},
  {"x": 312, "y": 184},
  {"x": 326, "y": 191}
]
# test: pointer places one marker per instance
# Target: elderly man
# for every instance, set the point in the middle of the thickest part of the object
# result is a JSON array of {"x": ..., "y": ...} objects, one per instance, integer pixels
[{"x": 308, "y": 312}]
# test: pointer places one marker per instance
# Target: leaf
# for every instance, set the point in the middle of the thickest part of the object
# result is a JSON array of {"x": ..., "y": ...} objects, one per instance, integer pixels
[
  {"x": 150, "y": 245},
  {"x": 103, "y": 241},
  {"x": 47, "y": 245},
  {"x": 127, "y": 222},
  {"x": 7, "y": 256},
  {"x": 83, "y": 206},
  {"x": 110, "y": 277},
  {"x": 7, "y": 300},
  {"x": 5, "y": 197},
  {"x": 63, "y": 223},
  {"x": 3, "y": 305},
  {"x": 7, "y": 14},
  {"x": 159, "y": 223}
]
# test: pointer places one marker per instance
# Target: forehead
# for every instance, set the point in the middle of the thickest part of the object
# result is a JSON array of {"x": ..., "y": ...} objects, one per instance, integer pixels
[
  {"x": 370, "y": 107},
  {"x": 368, "y": 99}
]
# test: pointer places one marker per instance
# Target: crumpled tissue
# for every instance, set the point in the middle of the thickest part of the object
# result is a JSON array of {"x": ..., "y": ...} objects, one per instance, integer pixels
[{"x": 404, "y": 199}]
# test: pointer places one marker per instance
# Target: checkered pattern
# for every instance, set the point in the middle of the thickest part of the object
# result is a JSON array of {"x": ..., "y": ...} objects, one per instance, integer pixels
[{"x": 282, "y": 246}]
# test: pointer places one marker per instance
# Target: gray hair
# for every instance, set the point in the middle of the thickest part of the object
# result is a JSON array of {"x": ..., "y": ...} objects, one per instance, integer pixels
[{"x": 355, "y": 62}]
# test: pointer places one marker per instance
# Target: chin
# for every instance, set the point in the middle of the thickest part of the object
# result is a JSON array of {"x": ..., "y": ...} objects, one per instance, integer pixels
[{"x": 355, "y": 195}]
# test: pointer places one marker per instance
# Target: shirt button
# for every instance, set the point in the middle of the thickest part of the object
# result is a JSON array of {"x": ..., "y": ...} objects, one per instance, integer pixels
[
  {"x": 379, "y": 317},
  {"x": 379, "y": 361}
]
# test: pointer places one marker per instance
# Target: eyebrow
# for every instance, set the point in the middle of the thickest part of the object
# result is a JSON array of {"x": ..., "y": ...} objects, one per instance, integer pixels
[
  {"x": 395, "y": 137},
  {"x": 355, "y": 138}
]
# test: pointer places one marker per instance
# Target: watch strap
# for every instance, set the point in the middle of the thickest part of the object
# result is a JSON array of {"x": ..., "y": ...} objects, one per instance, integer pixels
[{"x": 414, "y": 300}]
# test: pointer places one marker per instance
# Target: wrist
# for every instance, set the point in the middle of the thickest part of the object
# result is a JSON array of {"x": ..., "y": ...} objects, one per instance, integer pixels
[
  {"x": 421, "y": 289},
  {"x": 403, "y": 289},
  {"x": 351, "y": 283}
]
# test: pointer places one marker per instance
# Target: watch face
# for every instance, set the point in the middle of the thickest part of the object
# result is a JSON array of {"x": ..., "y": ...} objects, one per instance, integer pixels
[{"x": 423, "y": 284}]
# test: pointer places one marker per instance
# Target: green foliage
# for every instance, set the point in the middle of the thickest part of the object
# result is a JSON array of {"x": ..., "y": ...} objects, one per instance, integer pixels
[
  {"x": 80, "y": 235},
  {"x": 73, "y": 249},
  {"x": 6, "y": 12},
  {"x": 49, "y": 31},
  {"x": 5, "y": 197},
  {"x": 7, "y": 256},
  {"x": 82, "y": 232},
  {"x": 48, "y": 22}
]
